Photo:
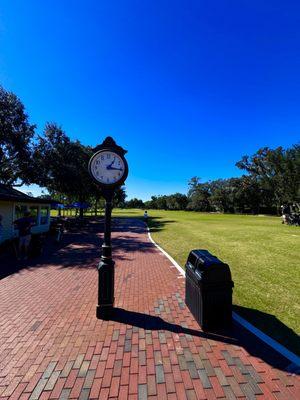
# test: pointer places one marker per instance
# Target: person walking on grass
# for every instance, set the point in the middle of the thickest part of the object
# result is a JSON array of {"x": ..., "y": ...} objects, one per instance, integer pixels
[{"x": 24, "y": 226}]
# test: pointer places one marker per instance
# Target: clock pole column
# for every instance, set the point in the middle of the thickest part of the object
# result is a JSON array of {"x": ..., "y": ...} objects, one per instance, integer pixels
[{"x": 106, "y": 267}]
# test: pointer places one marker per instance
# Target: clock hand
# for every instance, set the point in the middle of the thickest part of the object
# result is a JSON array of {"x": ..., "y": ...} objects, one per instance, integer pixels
[
  {"x": 113, "y": 168},
  {"x": 109, "y": 165}
]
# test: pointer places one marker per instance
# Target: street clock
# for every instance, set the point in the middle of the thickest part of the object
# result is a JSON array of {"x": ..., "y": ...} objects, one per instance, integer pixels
[{"x": 109, "y": 169}]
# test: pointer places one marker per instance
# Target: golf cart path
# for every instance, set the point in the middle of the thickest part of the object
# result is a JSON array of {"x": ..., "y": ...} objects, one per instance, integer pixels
[{"x": 53, "y": 347}]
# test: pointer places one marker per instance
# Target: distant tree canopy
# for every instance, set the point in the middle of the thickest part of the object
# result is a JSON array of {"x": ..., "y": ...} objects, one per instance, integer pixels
[
  {"x": 16, "y": 134},
  {"x": 176, "y": 201},
  {"x": 51, "y": 160},
  {"x": 276, "y": 173},
  {"x": 134, "y": 203},
  {"x": 272, "y": 179},
  {"x": 58, "y": 160}
]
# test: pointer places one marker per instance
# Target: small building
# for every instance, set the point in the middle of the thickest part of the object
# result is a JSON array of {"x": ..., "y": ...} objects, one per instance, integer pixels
[{"x": 14, "y": 203}]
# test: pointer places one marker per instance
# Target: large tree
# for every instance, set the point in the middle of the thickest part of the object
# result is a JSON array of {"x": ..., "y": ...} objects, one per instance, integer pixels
[
  {"x": 222, "y": 194},
  {"x": 199, "y": 195},
  {"x": 62, "y": 165},
  {"x": 176, "y": 201},
  {"x": 276, "y": 171},
  {"x": 134, "y": 203},
  {"x": 16, "y": 134}
]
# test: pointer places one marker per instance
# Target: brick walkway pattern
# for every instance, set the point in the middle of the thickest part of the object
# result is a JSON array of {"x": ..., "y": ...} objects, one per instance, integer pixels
[{"x": 53, "y": 347}]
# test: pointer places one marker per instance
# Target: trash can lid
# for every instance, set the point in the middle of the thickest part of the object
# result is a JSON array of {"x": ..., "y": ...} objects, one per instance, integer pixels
[
  {"x": 208, "y": 266},
  {"x": 205, "y": 258}
]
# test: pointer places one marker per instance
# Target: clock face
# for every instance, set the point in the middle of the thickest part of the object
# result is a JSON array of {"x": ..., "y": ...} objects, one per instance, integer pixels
[{"x": 107, "y": 167}]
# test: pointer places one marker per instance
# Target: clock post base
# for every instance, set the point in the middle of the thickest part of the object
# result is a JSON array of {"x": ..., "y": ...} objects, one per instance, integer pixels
[{"x": 106, "y": 278}]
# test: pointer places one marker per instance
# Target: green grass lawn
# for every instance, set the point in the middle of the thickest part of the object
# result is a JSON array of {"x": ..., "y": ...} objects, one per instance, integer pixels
[{"x": 263, "y": 256}]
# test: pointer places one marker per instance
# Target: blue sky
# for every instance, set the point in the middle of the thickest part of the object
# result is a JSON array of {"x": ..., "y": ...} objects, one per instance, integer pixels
[{"x": 188, "y": 87}]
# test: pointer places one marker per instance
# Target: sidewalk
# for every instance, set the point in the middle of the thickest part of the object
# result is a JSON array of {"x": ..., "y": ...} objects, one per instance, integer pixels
[{"x": 53, "y": 347}]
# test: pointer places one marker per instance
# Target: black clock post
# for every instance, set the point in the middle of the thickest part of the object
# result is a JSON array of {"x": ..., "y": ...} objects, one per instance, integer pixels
[{"x": 109, "y": 169}]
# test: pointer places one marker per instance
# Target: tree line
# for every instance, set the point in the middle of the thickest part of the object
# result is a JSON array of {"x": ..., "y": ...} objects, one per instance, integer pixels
[
  {"x": 50, "y": 159},
  {"x": 272, "y": 178}
]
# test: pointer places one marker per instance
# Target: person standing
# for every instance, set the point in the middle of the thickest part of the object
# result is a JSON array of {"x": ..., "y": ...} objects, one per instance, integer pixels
[
  {"x": 24, "y": 226},
  {"x": 146, "y": 217},
  {"x": 285, "y": 211}
]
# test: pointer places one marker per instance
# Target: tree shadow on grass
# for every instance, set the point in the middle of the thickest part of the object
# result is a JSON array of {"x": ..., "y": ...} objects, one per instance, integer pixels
[
  {"x": 155, "y": 224},
  {"x": 234, "y": 335}
]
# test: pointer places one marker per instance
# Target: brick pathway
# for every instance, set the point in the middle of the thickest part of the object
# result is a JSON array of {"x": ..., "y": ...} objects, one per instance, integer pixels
[{"x": 53, "y": 347}]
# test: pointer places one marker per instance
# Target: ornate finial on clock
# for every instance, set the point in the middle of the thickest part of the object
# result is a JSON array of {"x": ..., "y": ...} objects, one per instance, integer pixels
[{"x": 109, "y": 142}]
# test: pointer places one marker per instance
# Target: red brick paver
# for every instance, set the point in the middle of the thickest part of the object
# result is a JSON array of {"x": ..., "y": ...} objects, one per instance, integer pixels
[{"x": 53, "y": 347}]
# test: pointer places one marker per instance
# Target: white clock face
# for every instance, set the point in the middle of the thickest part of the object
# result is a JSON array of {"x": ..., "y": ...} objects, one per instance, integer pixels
[{"x": 107, "y": 167}]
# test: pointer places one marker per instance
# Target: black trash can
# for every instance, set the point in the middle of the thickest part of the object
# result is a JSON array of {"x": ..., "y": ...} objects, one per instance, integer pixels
[{"x": 208, "y": 290}]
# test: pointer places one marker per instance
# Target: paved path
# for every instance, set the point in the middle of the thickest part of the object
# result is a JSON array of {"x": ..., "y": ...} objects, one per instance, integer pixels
[{"x": 53, "y": 347}]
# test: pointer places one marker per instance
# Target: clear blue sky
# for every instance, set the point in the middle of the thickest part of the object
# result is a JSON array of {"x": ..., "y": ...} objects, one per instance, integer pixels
[{"x": 188, "y": 87}]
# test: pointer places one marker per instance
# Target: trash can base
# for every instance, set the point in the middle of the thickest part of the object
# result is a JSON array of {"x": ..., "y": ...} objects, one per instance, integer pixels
[{"x": 104, "y": 312}]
